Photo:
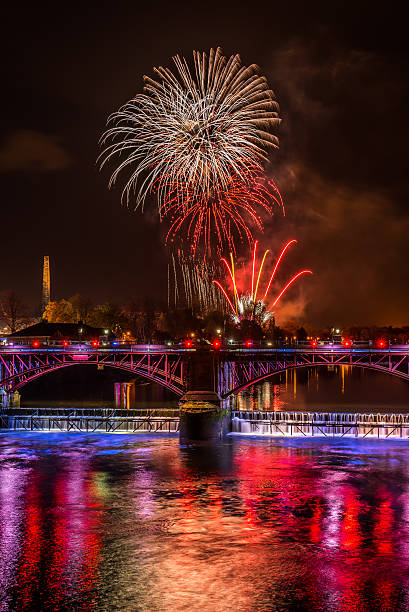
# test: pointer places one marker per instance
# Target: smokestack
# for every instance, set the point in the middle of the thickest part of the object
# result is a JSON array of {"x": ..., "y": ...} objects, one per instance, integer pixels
[{"x": 45, "y": 298}]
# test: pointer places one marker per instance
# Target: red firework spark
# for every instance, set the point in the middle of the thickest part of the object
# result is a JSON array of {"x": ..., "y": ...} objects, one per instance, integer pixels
[
  {"x": 219, "y": 222},
  {"x": 254, "y": 282}
]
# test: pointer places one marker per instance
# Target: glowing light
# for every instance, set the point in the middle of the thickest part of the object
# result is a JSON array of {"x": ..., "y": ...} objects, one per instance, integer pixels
[
  {"x": 65, "y": 343},
  {"x": 225, "y": 295},
  {"x": 381, "y": 343},
  {"x": 36, "y": 344},
  {"x": 290, "y": 282},
  {"x": 249, "y": 343},
  {"x": 231, "y": 273},
  {"x": 259, "y": 274},
  {"x": 254, "y": 265},
  {"x": 314, "y": 343},
  {"x": 94, "y": 343},
  {"x": 287, "y": 246},
  {"x": 188, "y": 344},
  {"x": 216, "y": 344}
]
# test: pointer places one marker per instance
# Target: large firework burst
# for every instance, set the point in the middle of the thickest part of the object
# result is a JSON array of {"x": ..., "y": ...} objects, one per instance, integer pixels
[{"x": 194, "y": 137}]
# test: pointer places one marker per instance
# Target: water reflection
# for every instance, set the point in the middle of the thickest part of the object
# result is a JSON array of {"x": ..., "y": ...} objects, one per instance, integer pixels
[
  {"x": 137, "y": 523},
  {"x": 49, "y": 531}
]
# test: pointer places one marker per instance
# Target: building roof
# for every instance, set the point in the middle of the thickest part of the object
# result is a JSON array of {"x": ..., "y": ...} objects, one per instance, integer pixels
[{"x": 57, "y": 330}]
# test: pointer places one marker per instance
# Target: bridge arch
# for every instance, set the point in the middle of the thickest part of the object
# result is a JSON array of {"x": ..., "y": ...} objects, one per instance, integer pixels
[
  {"x": 21, "y": 379},
  {"x": 250, "y": 383}
]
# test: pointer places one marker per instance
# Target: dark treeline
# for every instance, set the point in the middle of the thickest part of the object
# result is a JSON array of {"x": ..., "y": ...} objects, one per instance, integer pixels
[{"x": 148, "y": 321}]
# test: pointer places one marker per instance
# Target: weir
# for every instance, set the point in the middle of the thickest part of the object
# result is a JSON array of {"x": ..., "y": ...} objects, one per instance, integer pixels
[
  {"x": 319, "y": 424},
  {"x": 90, "y": 420},
  {"x": 271, "y": 424}
]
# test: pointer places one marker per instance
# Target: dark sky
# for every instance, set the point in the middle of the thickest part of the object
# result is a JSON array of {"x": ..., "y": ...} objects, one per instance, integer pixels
[{"x": 340, "y": 73}]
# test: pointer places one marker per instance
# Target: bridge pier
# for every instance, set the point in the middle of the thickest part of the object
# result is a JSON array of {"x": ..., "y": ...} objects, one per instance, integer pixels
[
  {"x": 201, "y": 413},
  {"x": 202, "y": 416}
]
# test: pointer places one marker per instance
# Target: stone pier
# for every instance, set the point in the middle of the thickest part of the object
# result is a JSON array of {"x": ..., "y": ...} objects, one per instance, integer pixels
[{"x": 201, "y": 413}]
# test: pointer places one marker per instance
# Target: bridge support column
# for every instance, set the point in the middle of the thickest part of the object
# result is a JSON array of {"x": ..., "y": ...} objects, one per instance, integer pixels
[
  {"x": 201, "y": 413},
  {"x": 201, "y": 416}
]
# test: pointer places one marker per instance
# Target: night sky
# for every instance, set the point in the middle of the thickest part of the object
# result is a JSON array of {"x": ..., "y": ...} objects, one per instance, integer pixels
[{"x": 340, "y": 74}]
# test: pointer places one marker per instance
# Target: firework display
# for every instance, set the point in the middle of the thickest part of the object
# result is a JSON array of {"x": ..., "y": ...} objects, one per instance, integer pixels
[
  {"x": 190, "y": 284},
  {"x": 197, "y": 139},
  {"x": 247, "y": 306},
  {"x": 215, "y": 225}
]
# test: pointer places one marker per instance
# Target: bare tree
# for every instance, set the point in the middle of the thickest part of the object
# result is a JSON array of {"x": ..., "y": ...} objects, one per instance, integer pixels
[{"x": 13, "y": 310}]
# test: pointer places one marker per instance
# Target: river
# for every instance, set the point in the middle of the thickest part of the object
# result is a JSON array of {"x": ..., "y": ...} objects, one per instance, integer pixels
[{"x": 135, "y": 522}]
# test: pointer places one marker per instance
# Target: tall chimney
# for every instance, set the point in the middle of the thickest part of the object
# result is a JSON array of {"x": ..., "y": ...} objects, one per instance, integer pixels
[{"x": 45, "y": 298}]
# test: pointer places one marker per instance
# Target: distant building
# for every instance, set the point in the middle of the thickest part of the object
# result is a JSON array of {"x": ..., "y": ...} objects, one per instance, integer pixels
[{"x": 52, "y": 333}]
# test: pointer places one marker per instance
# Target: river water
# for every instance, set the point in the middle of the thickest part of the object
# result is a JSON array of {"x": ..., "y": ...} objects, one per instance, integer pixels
[
  {"x": 135, "y": 522},
  {"x": 122, "y": 522}
]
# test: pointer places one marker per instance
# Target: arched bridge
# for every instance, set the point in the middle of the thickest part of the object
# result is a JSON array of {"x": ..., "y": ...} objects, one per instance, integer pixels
[
  {"x": 248, "y": 367},
  {"x": 226, "y": 370},
  {"x": 19, "y": 366}
]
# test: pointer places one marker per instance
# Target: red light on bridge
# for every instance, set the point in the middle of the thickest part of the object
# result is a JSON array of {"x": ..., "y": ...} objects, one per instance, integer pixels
[
  {"x": 95, "y": 343},
  {"x": 314, "y": 344},
  {"x": 36, "y": 344},
  {"x": 65, "y": 343},
  {"x": 188, "y": 344},
  {"x": 216, "y": 344},
  {"x": 347, "y": 343},
  {"x": 381, "y": 343},
  {"x": 249, "y": 343}
]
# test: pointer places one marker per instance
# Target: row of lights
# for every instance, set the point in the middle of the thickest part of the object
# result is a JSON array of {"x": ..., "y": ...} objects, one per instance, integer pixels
[
  {"x": 188, "y": 343},
  {"x": 216, "y": 343},
  {"x": 36, "y": 343},
  {"x": 348, "y": 343}
]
